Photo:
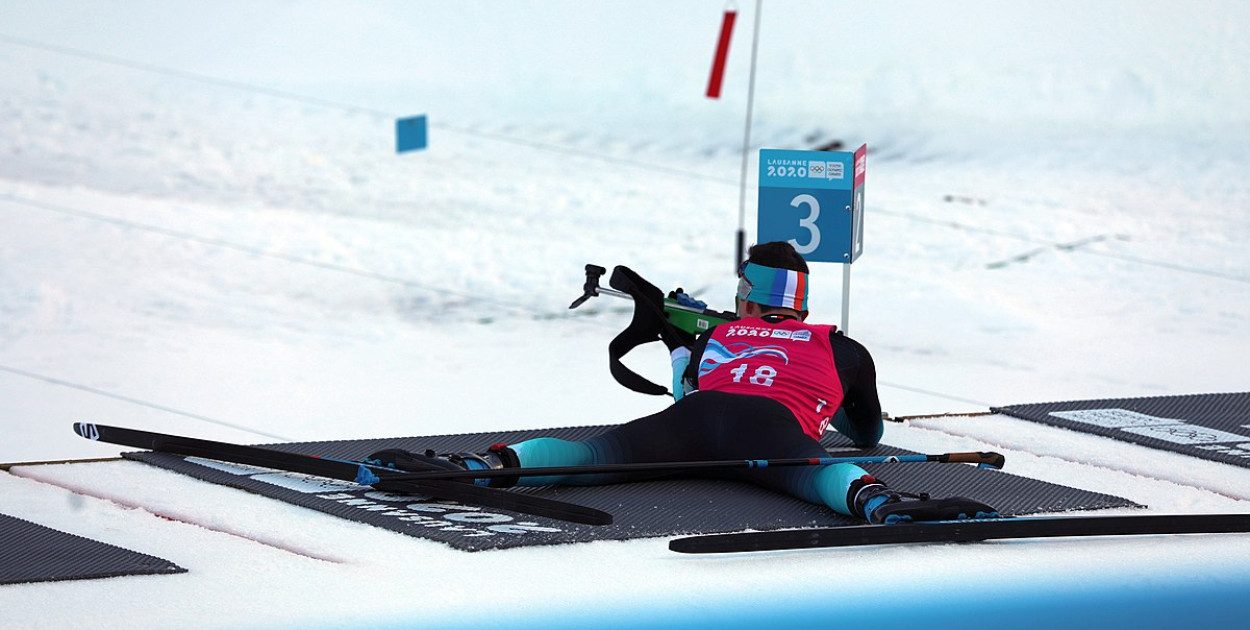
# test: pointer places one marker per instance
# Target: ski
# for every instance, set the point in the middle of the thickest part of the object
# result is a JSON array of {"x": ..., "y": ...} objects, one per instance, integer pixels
[
  {"x": 967, "y": 530},
  {"x": 380, "y": 477}
]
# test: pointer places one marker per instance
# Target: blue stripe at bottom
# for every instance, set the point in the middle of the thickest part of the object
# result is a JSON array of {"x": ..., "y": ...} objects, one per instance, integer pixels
[{"x": 1164, "y": 606}]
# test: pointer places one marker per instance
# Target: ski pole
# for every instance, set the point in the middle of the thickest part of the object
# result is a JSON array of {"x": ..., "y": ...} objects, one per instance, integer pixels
[{"x": 981, "y": 459}]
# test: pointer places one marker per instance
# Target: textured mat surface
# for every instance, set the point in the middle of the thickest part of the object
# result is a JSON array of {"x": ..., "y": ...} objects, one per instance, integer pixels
[
  {"x": 1207, "y": 426},
  {"x": 33, "y": 553},
  {"x": 664, "y": 507}
]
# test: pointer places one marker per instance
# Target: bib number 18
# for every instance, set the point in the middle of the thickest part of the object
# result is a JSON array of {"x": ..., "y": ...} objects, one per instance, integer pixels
[{"x": 763, "y": 375}]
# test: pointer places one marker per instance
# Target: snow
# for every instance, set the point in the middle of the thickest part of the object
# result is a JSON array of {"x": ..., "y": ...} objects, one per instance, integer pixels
[{"x": 204, "y": 230}]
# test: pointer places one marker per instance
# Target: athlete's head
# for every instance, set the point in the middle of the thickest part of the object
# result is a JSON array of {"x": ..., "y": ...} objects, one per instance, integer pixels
[{"x": 773, "y": 278}]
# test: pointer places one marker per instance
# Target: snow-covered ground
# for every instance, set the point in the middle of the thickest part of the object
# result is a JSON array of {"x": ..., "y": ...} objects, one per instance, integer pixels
[
  {"x": 204, "y": 229},
  {"x": 255, "y": 562}
]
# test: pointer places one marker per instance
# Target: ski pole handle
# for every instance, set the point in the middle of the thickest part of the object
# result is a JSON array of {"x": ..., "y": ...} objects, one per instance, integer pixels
[{"x": 982, "y": 459}]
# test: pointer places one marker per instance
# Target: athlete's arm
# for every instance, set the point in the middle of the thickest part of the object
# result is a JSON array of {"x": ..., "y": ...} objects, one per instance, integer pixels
[{"x": 862, "y": 420}]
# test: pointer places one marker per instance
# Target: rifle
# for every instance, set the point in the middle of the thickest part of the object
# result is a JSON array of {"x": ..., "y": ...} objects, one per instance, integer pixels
[
  {"x": 675, "y": 319},
  {"x": 680, "y": 309}
]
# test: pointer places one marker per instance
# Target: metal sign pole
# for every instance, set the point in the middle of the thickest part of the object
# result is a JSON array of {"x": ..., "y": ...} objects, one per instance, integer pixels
[
  {"x": 746, "y": 147},
  {"x": 846, "y": 297}
]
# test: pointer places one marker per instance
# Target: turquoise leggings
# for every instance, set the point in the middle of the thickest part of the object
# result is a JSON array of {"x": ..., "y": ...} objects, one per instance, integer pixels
[{"x": 703, "y": 426}]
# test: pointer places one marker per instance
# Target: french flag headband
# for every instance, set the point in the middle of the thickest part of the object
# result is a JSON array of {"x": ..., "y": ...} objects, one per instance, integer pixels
[{"x": 784, "y": 288}]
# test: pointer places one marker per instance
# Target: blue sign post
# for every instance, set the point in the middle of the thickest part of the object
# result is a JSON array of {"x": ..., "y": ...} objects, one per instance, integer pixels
[{"x": 815, "y": 201}]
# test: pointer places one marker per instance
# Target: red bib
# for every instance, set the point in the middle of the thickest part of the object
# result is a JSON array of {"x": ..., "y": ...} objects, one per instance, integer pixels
[{"x": 788, "y": 361}]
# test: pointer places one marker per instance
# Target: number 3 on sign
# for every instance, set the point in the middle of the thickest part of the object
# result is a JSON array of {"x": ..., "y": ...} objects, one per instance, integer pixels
[{"x": 808, "y": 223}]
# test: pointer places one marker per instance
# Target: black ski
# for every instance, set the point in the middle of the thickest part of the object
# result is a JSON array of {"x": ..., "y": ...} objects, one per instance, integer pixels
[
  {"x": 969, "y": 530},
  {"x": 377, "y": 476}
]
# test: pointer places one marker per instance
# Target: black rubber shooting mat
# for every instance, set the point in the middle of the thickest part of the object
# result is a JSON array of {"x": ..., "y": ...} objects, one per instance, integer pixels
[
  {"x": 666, "y": 507},
  {"x": 30, "y": 552},
  {"x": 1214, "y": 427}
]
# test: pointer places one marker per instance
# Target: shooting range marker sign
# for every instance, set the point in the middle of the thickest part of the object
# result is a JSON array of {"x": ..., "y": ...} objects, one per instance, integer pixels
[{"x": 814, "y": 200}]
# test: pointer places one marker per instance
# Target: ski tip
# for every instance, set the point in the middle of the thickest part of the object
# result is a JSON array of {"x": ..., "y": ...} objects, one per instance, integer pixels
[{"x": 87, "y": 430}]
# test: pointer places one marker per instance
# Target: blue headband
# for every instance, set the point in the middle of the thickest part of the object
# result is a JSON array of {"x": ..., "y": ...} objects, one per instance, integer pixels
[{"x": 784, "y": 288}]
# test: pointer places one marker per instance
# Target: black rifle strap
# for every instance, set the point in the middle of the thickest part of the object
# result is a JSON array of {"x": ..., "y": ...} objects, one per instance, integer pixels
[{"x": 647, "y": 325}]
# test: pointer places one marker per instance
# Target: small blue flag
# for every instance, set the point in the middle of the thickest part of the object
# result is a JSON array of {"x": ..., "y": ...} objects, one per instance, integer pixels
[{"x": 410, "y": 134}]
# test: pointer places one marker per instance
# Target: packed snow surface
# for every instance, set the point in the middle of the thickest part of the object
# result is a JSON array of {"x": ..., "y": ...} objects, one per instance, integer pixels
[{"x": 205, "y": 230}]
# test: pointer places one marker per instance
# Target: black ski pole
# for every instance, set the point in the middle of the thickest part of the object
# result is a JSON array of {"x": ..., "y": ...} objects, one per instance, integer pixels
[{"x": 981, "y": 459}]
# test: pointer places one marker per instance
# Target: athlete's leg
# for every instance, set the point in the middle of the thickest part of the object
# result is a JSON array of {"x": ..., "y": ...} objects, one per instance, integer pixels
[
  {"x": 753, "y": 427},
  {"x": 670, "y": 435}
]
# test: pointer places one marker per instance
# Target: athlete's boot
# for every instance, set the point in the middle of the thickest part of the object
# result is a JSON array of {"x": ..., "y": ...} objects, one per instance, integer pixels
[
  {"x": 497, "y": 457},
  {"x": 878, "y": 504}
]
